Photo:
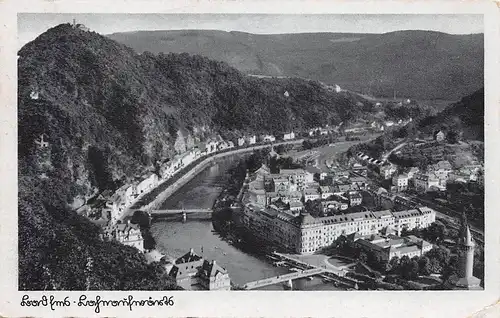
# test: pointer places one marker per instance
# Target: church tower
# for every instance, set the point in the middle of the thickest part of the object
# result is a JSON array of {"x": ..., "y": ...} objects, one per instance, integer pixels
[{"x": 465, "y": 278}]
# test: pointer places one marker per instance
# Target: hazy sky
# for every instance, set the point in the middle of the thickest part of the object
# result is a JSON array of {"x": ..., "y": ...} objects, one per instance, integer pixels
[{"x": 30, "y": 25}]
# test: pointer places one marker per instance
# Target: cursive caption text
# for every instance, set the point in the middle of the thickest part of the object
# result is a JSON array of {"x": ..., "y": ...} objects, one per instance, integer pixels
[{"x": 96, "y": 302}]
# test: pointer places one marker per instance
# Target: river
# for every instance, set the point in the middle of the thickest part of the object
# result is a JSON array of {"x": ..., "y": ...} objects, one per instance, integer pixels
[{"x": 175, "y": 238}]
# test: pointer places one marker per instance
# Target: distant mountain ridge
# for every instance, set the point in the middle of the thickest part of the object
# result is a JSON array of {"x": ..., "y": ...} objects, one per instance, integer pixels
[{"x": 412, "y": 64}]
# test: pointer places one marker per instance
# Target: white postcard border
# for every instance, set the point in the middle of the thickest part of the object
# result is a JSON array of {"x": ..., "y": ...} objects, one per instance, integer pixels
[{"x": 263, "y": 303}]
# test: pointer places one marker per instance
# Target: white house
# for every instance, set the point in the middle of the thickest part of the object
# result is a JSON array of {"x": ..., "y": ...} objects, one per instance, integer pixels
[
  {"x": 289, "y": 136},
  {"x": 400, "y": 181},
  {"x": 424, "y": 182},
  {"x": 296, "y": 206},
  {"x": 241, "y": 141},
  {"x": 311, "y": 195},
  {"x": 268, "y": 138},
  {"x": 326, "y": 192},
  {"x": 251, "y": 140},
  {"x": 211, "y": 146}
]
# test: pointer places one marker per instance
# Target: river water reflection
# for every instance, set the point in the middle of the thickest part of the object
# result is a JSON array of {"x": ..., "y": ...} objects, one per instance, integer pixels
[{"x": 176, "y": 238}]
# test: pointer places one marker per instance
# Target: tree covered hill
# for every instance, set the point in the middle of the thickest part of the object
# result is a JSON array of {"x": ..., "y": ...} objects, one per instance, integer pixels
[
  {"x": 108, "y": 114},
  {"x": 414, "y": 64}
]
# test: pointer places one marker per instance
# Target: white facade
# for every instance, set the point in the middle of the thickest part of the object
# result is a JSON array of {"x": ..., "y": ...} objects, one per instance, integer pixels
[
  {"x": 269, "y": 138},
  {"x": 400, "y": 181},
  {"x": 311, "y": 195},
  {"x": 241, "y": 141},
  {"x": 289, "y": 136},
  {"x": 386, "y": 172},
  {"x": 251, "y": 140}
]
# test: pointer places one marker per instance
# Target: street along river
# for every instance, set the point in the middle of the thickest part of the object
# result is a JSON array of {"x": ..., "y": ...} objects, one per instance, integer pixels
[{"x": 175, "y": 238}]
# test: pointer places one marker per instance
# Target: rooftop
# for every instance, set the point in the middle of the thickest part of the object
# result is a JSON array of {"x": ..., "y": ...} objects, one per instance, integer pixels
[{"x": 190, "y": 256}]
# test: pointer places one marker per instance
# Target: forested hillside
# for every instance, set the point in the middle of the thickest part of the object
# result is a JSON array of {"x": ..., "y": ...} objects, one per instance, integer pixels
[
  {"x": 109, "y": 114},
  {"x": 412, "y": 64}
]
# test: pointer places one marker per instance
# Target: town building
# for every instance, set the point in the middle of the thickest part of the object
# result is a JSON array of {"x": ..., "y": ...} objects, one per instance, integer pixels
[
  {"x": 192, "y": 272},
  {"x": 281, "y": 184},
  {"x": 298, "y": 177},
  {"x": 441, "y": 169},
  {"x": 339, "y": 173},
  {"x": 251, "y": 140},
  {"x": 400, "y": 182},
  {"x": 333, "y": 206},
  {"x": 426, "y": 182},
  {"x": 326, "y": 192},
  {"x": 439, "y": 135},
  {"x": 305, "y": 234},
  {"x": 289, "y": 136},
  {"x": 385, "y": 248},
  {"x": 358, "y": 182},
  {"x": 268, "y": 138},
  {"x": 360, "y": 170},
  {"x": 241, "y": 141},
  {"x": 355, "y": 198},
  {"x": 387, "y": 171},
  {"x": 296, "y": 206},
  {"x": 128, "y": 234},
  {"x": 311, "y": 195},
  {"x": 411, "y": 172},
  {"x": 211, "y": 146}
]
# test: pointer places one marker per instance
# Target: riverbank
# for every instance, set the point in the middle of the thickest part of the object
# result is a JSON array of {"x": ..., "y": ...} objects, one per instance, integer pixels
[{"x": 156, "y": 196}]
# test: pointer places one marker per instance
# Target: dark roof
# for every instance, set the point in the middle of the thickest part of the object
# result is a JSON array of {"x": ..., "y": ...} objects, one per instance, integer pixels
[
  {"x": 210, "y": 269},
  {"x": 190, "y": 256}
]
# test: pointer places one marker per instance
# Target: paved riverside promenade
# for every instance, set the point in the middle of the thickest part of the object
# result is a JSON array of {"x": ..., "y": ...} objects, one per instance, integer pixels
[{"x": 156, "y": 202}]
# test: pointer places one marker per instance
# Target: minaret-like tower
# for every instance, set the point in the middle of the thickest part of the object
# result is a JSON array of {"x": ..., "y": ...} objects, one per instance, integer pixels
[{"x": 465, "y": 278}]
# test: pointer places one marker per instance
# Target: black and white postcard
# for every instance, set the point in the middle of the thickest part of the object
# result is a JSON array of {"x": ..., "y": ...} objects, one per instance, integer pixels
[{"x": 289, "y": 159}]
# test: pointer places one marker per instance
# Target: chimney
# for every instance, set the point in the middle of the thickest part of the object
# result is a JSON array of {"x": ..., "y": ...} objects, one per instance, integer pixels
[
  {"x": 74, "y": 22},
  {"x": 191, "y": 251}
]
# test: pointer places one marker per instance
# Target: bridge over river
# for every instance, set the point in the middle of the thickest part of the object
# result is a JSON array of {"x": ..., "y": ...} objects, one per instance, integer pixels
[
  {"x": 179, "y": 211},
  {"x": 283, "y": 278}
]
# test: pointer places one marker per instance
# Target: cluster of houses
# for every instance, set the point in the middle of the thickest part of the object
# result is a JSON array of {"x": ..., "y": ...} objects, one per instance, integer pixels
[
  {"x": 434, "y": 177},
  {"x": 274, "y": 209},
  {"x": 290, "y": 189}
]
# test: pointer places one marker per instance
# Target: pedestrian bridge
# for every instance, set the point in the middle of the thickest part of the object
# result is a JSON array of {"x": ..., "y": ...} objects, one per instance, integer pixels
[
  {"x": 179, "y": 211},
  {"x": 283, "y": 278}
]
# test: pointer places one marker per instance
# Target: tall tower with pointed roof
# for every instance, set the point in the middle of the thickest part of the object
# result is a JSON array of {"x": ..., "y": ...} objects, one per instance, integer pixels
[{"x": 465, "y": 278}]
